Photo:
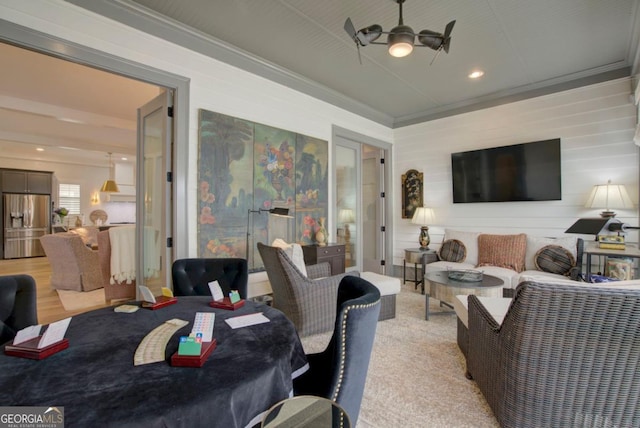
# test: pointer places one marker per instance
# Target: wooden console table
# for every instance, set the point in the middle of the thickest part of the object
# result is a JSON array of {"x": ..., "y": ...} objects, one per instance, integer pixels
[{"x": 331, "y": 253}]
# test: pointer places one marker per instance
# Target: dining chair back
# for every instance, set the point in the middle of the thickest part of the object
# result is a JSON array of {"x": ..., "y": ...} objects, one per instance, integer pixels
[
  {"x": 191, "y": 277},
  {"x": 18, "y": 307},
  {"x": 340, "y": 371}
]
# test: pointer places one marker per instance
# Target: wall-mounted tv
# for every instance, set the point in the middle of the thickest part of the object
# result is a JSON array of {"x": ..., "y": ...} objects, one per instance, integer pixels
[{"x": 521, "y": 172}]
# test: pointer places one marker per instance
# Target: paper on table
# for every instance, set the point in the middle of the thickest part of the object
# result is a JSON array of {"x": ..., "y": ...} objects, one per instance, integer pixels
[
  {"x": 27, "y": 333},
  {"x": 55, "y": 333},
  {"x": 216, "y": 291},
  {"x": 246, "y": 320}
]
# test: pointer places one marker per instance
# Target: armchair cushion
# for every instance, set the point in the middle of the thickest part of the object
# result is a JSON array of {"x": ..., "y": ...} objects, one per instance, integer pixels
[
  {"x": 506, "y": 251},
  {"x": 555, "y": 259},
  {"x": 294, "y": 251}
]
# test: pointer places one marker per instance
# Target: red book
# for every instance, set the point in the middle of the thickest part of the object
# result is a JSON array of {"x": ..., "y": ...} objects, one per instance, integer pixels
[
  {"x": 225, "y": 303},
  {"x": 161, "y": 302},
  {"x": 29, "y": 349},
  {"x": 194, "y": 360}
]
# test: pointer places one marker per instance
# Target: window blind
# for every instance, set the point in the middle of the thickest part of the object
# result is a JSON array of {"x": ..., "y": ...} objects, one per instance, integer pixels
[{"x": 69, "y": 197}]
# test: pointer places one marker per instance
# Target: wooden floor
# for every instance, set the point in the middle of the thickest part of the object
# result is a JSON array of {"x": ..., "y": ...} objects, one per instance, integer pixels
[{"x": 49, "y": 306}]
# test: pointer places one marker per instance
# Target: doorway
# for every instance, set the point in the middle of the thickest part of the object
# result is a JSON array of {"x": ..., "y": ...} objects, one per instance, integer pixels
[
  {"x": 173, "y": 161},
  {"x": 362, "y": 199}
]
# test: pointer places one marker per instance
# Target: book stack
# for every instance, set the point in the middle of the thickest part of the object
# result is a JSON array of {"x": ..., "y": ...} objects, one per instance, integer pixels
[{"x": 611, "y": 242}]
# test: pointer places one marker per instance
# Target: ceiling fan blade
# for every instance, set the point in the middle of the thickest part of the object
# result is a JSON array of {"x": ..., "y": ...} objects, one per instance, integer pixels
[
  {"x": 359, "y": 57},
  {"x": 435, "y": 57},
  {"x": 350, "y": 29},
  {"x": 447, "y": 36}
]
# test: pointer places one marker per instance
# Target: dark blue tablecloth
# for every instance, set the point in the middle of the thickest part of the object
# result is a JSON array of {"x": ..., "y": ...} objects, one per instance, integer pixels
[{"x": 98, "y": 385}]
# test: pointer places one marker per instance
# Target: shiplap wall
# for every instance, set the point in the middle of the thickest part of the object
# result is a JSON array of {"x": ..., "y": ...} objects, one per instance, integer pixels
[{"x": 596, "y": 126}]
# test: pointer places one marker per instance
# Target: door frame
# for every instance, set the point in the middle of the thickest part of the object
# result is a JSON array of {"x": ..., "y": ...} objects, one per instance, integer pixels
[
  {"x": 339, "y": 134},
  {"x": 47, "y": 44}
]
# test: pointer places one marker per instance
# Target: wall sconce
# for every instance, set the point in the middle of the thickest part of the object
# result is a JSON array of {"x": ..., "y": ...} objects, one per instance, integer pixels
[
  {"x": 95, "y": 198},
  {"x": 609, "y": 196},
  {"x": 423, "y": 216}
]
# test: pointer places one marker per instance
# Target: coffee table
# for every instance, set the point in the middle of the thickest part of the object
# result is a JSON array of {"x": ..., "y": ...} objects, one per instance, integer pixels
[{"x": 444, "y": 289}]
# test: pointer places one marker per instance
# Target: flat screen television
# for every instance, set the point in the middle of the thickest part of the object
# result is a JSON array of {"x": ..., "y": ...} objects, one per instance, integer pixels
[{"x": 521, "y": 172}]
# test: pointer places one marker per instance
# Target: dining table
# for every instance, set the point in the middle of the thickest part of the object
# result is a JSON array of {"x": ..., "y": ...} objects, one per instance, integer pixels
[{"x": 96, "y": 383}]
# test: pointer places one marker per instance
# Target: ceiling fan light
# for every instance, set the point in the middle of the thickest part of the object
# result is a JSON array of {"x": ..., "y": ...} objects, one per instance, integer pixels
[{"x": 400, "y": 41}]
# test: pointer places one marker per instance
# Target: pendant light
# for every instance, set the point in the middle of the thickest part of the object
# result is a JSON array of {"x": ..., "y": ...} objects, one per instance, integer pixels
[{"x": 110, "y": 184}]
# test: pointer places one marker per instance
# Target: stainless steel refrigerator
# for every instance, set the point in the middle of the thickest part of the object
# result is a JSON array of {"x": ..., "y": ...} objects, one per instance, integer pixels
[{"x": 26, "y": 219}]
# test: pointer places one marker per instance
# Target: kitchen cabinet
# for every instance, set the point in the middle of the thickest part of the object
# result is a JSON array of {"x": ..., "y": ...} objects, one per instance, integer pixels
[
  {"x": 19, "y": 181},
  {"x": 331, "y": 253}
]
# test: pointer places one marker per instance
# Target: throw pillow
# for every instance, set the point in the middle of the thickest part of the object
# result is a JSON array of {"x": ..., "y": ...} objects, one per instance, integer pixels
[
  {"x": 536, "y": 243},
  {"x": 470, "y": 241},
  {"x": 555, "y": 259},
  {"x": 294, "y": 252},
  {"x": 506, "y": 251},
  {"x": 452, "y": 250}
]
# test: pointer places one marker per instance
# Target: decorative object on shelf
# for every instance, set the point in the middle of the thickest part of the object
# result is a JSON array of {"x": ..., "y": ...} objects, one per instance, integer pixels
[
  {"x": 322, "y": 237},
  {"x": 345, "y": 216},
  {"x": 609, "y": 196},
  {"x": 61, "y": 212},
  {"x": 411, "y": 192},
  {"x": 78, "y": 221},
  {"x": 98, "y": 217},
  {"x": 110, "y": 184},
  {"x": 423, "y": 217}
]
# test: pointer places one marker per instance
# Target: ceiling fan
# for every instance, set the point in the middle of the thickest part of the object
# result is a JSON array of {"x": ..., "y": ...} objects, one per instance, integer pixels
[{"x": 401, "y": 38}]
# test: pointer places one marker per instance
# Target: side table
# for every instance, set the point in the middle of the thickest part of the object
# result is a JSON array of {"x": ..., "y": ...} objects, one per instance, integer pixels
[
  {"x": 592, "y": 249},
  {"x": 415, "y": 256},
  {"x": 334, "y": 254}
]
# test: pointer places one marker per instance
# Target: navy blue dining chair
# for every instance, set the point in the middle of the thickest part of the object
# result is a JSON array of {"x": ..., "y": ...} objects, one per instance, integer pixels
[
  {"x": 191, "y": 277},
  {"x": 340, "y": 371},
  {"x": 18, "y": 306}
]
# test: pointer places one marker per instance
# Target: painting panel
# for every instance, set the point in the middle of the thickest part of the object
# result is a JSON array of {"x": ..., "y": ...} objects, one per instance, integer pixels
[
  {"x": 225, "y": 184},
  {"x": 311, "y": 201},
  {"x": 412, "y": 192}
]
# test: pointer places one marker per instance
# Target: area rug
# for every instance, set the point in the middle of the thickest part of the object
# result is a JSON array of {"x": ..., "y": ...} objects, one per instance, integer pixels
[
  {"x": 75, "y": 300},
  {"x": 416, "y": 374}
]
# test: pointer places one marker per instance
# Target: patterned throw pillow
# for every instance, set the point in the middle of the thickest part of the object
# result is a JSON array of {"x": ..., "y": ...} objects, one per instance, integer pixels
[
  {"x": 452, "y": 250},
  {"x": 506, "y": 251},
  {"x": 555, "y": 259}
]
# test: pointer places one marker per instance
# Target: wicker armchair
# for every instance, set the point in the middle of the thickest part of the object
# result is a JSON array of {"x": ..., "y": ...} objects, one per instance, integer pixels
[
  {"x": 308, "y": 301},
  {"x": 74, "y": 266},
  {"x": 564, "y": 356}
]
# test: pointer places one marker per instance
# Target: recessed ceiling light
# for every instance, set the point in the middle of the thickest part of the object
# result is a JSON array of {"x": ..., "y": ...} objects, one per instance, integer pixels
[
  {"x": 476, "y": 74},
  {"x": 39, "y": 149},
  {"x": 124, "y": 158}
]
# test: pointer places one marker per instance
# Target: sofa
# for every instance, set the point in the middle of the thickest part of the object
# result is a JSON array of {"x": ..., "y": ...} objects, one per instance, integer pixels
[
  {"x": 560, "y": 353},
  {"x": 510, "y": 257}
]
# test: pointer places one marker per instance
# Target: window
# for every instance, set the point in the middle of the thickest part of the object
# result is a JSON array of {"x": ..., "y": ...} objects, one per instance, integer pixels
[{"x": 69, "y": 197}]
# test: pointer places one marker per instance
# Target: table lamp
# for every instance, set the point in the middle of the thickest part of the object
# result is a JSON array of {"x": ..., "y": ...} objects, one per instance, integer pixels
[
  {"x": 609, "y": 196},
  {"x": 423, "y": 216}
]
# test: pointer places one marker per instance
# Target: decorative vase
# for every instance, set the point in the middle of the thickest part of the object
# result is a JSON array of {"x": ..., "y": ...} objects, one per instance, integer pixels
[
  {"x": 321, "y": 234},
  {"x": 78, "y": 221}
]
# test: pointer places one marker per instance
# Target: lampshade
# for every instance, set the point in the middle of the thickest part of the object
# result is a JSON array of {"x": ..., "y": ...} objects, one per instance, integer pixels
[
  {"x": 400, "y": 41},
  {"x": 110, "y": 184},
  {"x": 423, "y": 216},
  {"x": 346, "y": 216},
  {"x": 609, "y": 196}
]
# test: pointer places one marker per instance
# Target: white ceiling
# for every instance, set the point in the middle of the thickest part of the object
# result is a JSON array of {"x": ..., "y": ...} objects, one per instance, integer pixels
[
  {"x": 525, "y": 47},
  {"x": 76, "y": 114}
]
